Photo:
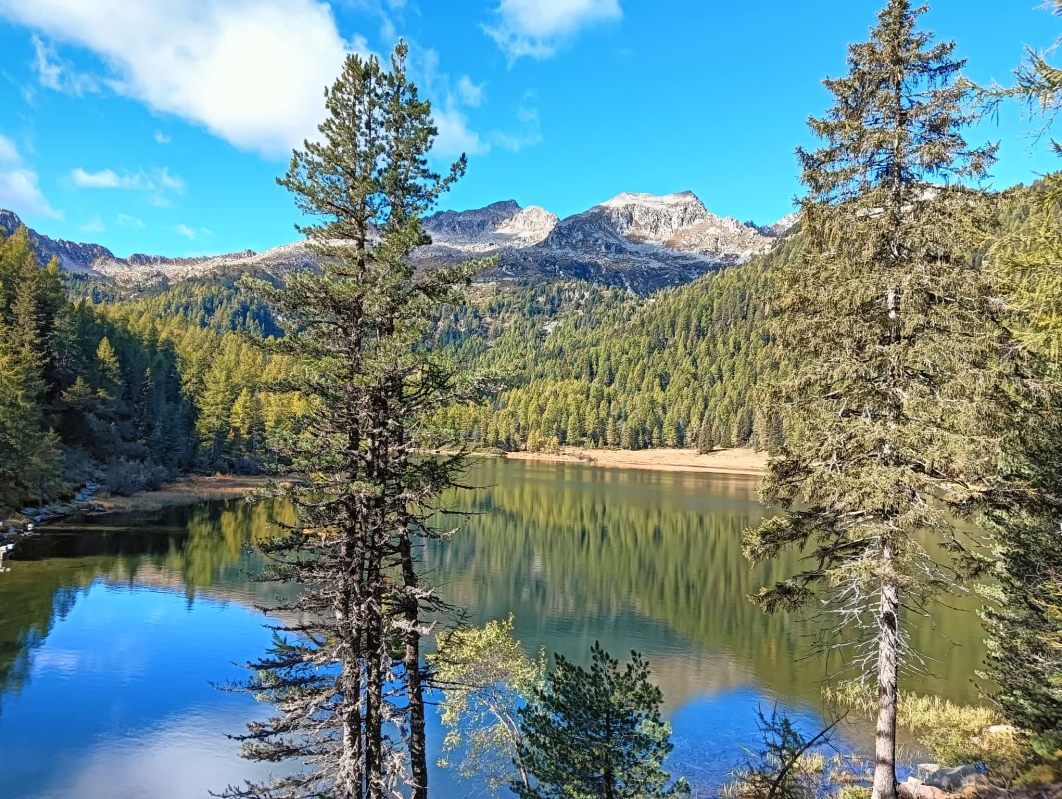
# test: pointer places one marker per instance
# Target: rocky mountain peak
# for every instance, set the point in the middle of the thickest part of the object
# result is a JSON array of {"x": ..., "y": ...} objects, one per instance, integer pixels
[
  {"x": 470, "y": 224},
  {"x": 782, "y": 226},
  {"x": 641, "y": 242},
  {"x": 72, "y": 256},
  {"x": 655, "y": 218},
  {"x": 532, "y": 223}
]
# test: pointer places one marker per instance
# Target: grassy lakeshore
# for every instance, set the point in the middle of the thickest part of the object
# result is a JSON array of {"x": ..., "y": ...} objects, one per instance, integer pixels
[
  {"x": 184, "y": 491},
  {"x": 723, "y": 461},
  {"x": 199, "y": 488}
]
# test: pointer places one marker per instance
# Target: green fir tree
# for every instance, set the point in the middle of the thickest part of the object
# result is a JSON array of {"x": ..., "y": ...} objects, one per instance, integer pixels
[
  {"x": 596, "y": 734},
  {"x": 903, "y": 381}
]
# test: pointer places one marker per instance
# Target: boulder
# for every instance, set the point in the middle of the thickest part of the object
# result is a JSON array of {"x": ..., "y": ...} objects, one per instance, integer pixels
[
  {"x": 953, "y": 780},
  {"x": 914, "y": 788}
]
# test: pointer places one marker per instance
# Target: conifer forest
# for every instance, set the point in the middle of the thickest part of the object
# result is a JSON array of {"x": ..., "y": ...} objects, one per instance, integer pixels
[{"x": 634, "y": 502}]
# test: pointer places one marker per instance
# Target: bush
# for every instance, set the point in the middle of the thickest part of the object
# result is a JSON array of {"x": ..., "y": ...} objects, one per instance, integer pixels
[
  {"x": 124, "y": 477},
  {"x": 790, "y": 764},
  {"x": 79, "y": 467}
]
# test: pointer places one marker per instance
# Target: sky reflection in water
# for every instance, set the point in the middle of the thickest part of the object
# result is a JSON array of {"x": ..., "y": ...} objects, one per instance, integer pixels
[{"x": 110, "y": 640}]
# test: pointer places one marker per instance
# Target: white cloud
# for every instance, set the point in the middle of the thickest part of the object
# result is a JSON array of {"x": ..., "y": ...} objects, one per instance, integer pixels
[
  {"x": 184, "y": 230},
  {"x": 54, "y": 73},
  {"x": 155, "y": 180},
  {"x": 20, "y": 189},
  {"x": 529, "y": 136},
  {"x": 448, "y": 101},
  {"x": 8, "y": 152},
  {"x": 168, "y": 181},
  {"x": 129, "y": 221},
  {"x": 455, "y": 137},
  {"x": 94, "y": 225},
  {"x": 162, "y": 138},
  {"x": 104, "y": 179},
  {"x": 21, "y": 192},
  {"x": 537, "y": 28},
  {"x": 250, "y": 71},
  {"x": 469, "y": 92}
]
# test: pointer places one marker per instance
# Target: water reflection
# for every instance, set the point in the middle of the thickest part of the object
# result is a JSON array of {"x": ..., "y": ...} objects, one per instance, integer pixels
[
  {"x": 653, "y": 561},
  {"x": 111, "y": 628}
]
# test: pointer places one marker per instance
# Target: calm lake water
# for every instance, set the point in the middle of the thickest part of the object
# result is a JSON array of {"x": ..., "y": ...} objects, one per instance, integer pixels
[{"x": 113, "y": 631}]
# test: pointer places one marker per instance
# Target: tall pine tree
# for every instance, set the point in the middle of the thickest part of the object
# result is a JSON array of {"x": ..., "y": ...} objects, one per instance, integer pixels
[
  {"x": 347, "y": 679},
  {"x": 29, "y": 454},
  {"x": 897, "y": 407}
]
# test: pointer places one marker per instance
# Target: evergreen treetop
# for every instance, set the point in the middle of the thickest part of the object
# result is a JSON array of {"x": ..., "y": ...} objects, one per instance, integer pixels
[
  {"x": 596, "y": 734},
  {"x": 901, "y": 395}
]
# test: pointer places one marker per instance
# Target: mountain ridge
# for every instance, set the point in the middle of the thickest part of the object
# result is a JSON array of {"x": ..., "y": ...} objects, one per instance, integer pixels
[{"x": 639, "y": 242}]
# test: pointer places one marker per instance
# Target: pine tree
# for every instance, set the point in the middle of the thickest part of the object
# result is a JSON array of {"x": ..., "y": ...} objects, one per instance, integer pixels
[
  {"x": 705, "y": 442},
  {"x": 352, "y": 669},
  {"x": 901, "y": 392},
  {"x": 30, "y": 464},
  {"x": 596, "y": 734}
]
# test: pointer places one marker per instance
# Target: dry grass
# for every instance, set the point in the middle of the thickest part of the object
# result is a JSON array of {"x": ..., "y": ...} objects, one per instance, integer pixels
[
  {"x": 954, "y": 734},
  {"x": 723, "y": 461},
  {"x": 186, "y": 491}
]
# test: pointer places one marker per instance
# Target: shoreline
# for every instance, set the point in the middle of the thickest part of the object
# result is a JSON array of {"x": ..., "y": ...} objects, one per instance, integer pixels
[
  {"x": 185, "y": 491},
  {"x": 201, "y": 488},
  {"x": 736, "y": 461}
]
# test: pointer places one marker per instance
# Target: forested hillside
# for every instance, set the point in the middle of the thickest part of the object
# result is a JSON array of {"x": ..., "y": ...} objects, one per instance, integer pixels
[
  {"x": 128, "y": 390},
  {"x": 598, "y": 369},
  {"x": 125, "y": 394}
]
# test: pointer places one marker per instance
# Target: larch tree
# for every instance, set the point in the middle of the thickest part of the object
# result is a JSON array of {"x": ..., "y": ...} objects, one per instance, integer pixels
[
  {"x": 1024, "y": 620},
  {"x": 485, "y": 678},
  {"x": 346, "y": 678},
  {"x": 903, "y": 380}
]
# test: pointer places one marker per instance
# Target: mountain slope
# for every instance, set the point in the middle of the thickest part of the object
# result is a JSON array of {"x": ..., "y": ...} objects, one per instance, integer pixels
[
  {"x": 593, "y": 367},
  {"x": 638, "y": 242}
]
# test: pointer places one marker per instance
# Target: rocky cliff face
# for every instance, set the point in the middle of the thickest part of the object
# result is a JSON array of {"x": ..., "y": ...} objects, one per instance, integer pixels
[
  {"x": 641, "y": 242},
  {"x": 73, "y": 257}
]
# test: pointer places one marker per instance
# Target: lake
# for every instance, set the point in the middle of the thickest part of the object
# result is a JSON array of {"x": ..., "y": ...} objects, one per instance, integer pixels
[{"x": 114, "y": 630}]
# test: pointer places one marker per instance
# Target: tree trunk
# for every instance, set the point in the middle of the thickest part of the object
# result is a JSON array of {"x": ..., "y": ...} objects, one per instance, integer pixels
[
  {"x": 373, "y": 655},
  {"x": 888, "y": 678},
  {"x": 350, "y": 780},
  {"x": 374, "y": 706},
  {"x": 418, "y": 751}
]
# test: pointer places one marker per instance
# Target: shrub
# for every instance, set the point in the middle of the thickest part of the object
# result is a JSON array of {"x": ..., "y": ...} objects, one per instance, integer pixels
[{"x": 124, "y": 477}]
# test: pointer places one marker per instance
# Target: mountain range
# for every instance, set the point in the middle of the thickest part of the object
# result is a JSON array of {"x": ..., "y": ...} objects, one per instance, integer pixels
[{"x": 640, "y": 242}]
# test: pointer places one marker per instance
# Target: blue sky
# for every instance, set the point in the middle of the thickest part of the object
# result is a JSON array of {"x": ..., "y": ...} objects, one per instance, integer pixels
[{"x": 159, "y": 125}]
